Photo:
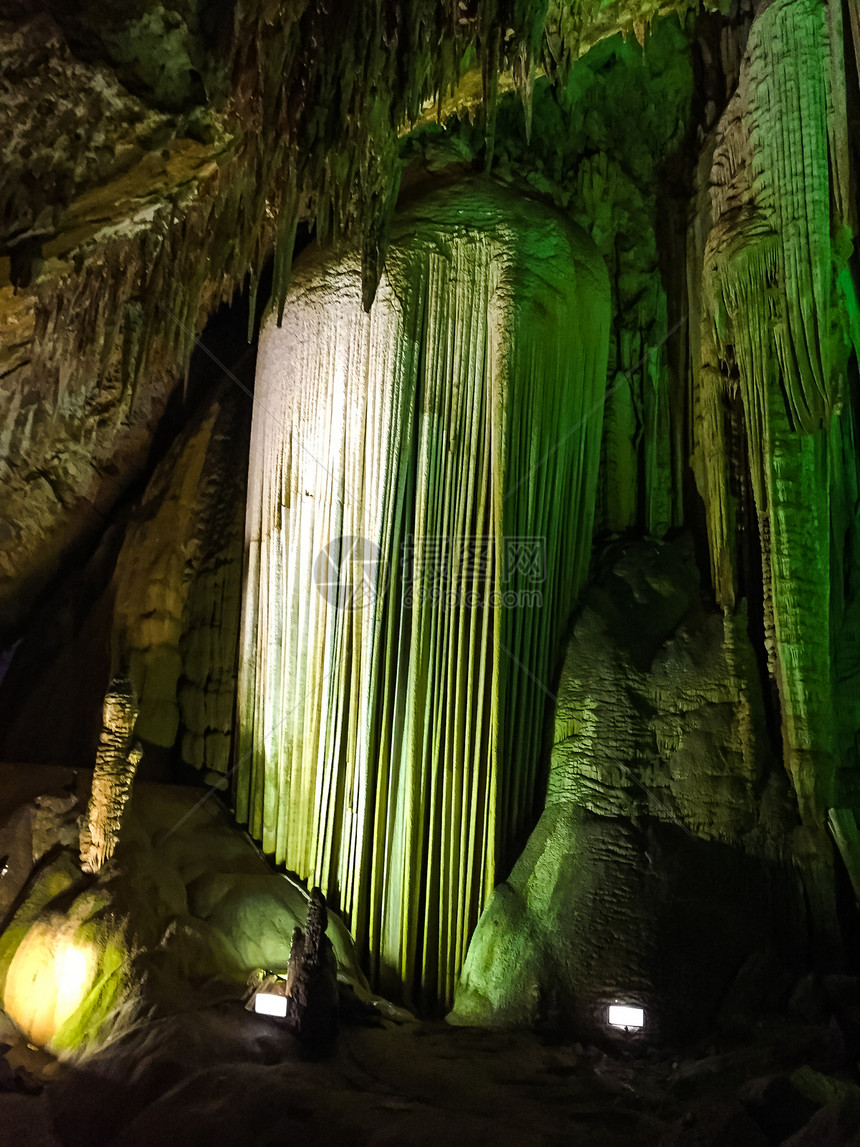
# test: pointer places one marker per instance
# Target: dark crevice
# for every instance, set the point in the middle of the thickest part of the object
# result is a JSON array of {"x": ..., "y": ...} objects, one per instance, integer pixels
[{"x": 748, "y": 549}]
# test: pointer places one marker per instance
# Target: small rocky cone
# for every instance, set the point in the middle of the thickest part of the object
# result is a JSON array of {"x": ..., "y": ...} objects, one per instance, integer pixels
[{"x": 312, "y": 979}]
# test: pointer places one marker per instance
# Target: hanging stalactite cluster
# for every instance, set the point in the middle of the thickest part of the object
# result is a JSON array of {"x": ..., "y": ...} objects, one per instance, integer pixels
[
  {"x": 603, "y": 168},
  {"x": 344, "y": 81},
  {"x": 432, "y": 468},
  {"x": 127, "y": 228},
  {"x": 776, "y": 306}
]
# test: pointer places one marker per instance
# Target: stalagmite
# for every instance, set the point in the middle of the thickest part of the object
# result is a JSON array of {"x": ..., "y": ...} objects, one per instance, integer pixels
[
  {"x": 311, "y": 984},
  {"x": 116, "y": 763},
  {"x": 420, "y": 507}
]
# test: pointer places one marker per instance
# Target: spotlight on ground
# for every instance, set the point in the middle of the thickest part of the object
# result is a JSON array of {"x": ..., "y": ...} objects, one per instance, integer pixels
[
  {"x": 268, "y": 1004},
  {"x": 624, "y": 1016}
]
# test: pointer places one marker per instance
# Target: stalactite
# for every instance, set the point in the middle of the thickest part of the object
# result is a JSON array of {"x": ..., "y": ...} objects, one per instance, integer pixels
[
  {"x": 605, "y": 169},
  {"x": 387, "y": 732},
  {"x": 773, "y": 254},
  {"x": 116, "y": 764},
  {"x": 308, "y": 101}
]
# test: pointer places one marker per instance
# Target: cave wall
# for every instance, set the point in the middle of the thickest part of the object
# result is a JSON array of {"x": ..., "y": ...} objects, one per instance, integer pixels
[{"x": 158, "y": 602}]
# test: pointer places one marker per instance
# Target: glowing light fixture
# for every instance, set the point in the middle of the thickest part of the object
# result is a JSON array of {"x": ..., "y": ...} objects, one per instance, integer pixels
[
  {"x": 268, "y": 1004},
  {"x": 624, "y": 1016}
]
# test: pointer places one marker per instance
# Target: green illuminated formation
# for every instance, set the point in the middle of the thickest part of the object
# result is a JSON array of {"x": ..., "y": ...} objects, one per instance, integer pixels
[
  {"x": 392, "y": 736},
  {"x": 665, "y": 823},
  {"x": 658, "y": 814},
  {"x": 777, "y": 316},
  {"x": 64, "y": 975},
  {"x": 585, "y": 150}
]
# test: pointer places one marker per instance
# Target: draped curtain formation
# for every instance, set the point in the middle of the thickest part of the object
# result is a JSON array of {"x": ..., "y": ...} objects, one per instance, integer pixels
[{"x": 390, "y": 726}]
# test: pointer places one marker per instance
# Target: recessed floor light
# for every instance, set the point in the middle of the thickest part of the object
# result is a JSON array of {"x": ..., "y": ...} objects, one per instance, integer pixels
[
  {"x": 623, "y": 1016},
  {"x": 268, "y": 1004}
]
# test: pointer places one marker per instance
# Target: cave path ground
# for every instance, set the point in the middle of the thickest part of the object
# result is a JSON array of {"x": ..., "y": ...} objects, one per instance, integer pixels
[{"x": 222, "y": 1075}]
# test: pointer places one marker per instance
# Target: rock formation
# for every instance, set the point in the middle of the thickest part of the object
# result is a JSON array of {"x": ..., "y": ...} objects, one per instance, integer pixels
[
  {"x": 777, "y": 319},
  {"x": 391, "y": 717},
  {"x": 668, "y": 867},
  {"x": 311, "y": 985},
  {"x": 579, "y": 271},
  {"x": 115, "y": 765}
]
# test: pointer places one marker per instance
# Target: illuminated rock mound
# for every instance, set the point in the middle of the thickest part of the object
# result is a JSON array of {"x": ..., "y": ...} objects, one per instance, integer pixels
[{"x": 668, "y": 868}]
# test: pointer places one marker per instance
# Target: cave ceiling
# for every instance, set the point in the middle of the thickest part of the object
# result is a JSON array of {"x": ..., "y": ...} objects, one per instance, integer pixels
[{"x": 155, "y": 155}]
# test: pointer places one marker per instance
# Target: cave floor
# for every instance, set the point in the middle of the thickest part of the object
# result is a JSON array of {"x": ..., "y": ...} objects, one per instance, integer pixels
[
  {"x": 203, "y": 1070},
  {"x": 221, "y": 1075}
]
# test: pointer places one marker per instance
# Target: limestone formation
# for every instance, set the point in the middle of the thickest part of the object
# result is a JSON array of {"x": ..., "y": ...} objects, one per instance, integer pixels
[
  {"x": 577, "y": 274},
  {"x": 177, "y": 584},
  {"x": 669, "y": 856},
  {"x": 116, "y": 764},
  {"x": 403, "y": 599},
  {"x": 775, "y": 321},
  {"x": 311, "y": 985},
  {"x": 153, "y": 161}
]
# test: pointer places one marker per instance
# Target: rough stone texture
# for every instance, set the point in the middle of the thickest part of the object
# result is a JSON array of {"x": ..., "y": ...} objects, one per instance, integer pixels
[
  {"x": 223, "y": 1074},
  {"x": 65, "y": 965},
  {"x": 30, "y": 801},
  {"x": 217, "y": 890},
  {"x": 153, "y": 156},
  {"x": 177, "y": 585},
  {"x": 666, "y": 869},
  {"x": 259, "y": 913},
  {"x": 188, "y": 904},
  {"x": 92, "y": 180},
  {"x": 161, "y": 595},
  {"x": 116, "y": 763},
  {"x": 773, "y": 320},
  {"x": 311, "y": 984},
  {"x": 95, "y": 129}
]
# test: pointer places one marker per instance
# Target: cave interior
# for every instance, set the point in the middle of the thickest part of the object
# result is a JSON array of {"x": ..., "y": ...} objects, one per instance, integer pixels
[{"x": 430, "y": 572}]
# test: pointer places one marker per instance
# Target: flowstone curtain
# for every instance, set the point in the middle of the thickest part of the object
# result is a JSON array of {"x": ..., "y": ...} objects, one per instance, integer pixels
[
  {"x": 779, "y": 334},
  {"x": 420, "y": 506}
]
